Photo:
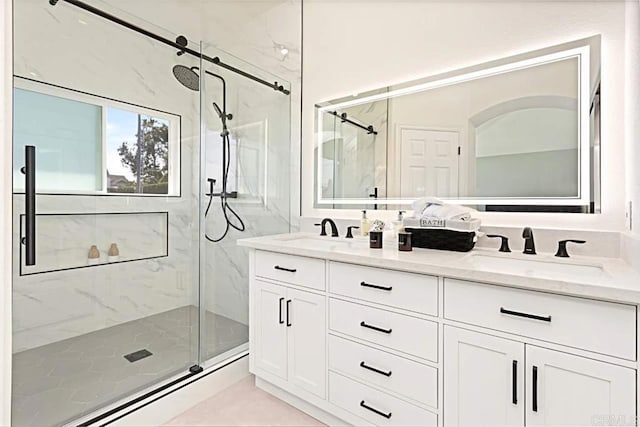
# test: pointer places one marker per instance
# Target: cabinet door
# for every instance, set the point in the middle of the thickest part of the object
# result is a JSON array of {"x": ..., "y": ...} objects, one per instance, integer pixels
[
  {"x": 270, "y": 331},
  {"x": 306, "y": 327},
  {"x": 483, "y": 378},
  {"x": 568, "y": 390}
]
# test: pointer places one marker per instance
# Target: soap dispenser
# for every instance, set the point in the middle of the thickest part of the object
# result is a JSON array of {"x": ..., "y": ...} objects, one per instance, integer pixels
[
  {"x": 397, "y": 226},
  {"x": 365, "y": 224}
]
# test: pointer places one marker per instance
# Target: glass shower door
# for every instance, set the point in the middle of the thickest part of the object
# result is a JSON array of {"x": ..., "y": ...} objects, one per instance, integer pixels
[
  {"x": 105, "y": 286},
  {"x": 251, "y": 165}
]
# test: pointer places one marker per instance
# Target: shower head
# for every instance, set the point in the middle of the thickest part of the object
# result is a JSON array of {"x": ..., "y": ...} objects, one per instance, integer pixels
[{"x": 187, "y": 76}]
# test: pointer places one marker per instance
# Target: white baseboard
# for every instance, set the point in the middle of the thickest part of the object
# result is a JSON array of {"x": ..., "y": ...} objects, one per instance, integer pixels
[{"x": 317, "y": 413}]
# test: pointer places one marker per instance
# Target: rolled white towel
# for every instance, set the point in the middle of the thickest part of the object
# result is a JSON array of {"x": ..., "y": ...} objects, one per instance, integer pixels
[
  {"x": 450, "y": 212},
  {"x": 420, "y": 205},
  {"x": 430, "y": 207}
]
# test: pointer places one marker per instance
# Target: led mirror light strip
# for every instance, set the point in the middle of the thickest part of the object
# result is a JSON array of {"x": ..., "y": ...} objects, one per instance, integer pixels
[{"x": 583, "y": 198}]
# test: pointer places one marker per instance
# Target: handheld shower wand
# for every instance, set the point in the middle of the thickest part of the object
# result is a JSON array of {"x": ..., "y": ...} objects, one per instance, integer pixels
[{"x": 223, "y": 117}]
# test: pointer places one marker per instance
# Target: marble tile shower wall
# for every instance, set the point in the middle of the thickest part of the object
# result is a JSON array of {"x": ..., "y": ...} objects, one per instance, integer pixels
[
  {"x": 72, "y": 49},
  {"x": 227, "y": 267},
  {"x": 63, "y": 239},
  {"x": 261, "y": 126},
  {"x": 256, "y": 32}
]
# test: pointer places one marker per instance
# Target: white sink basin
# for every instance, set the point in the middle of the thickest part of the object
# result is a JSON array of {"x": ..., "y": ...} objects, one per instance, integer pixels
[
  {"x": 311, "y": 242},
  {"x": 535, "y": 267}
]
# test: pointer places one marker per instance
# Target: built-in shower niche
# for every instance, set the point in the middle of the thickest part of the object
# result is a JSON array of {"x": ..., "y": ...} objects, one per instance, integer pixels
[{"x": 63, "y": 241}]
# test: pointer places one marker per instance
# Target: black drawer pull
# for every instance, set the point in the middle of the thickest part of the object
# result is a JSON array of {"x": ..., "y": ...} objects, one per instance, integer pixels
[
  {"x": 534, "y": 397},
  {"x": 527, "y": 315},
  {"x": 280, "y": 321},
  {"x": 376, "y": 370},
  {"x": 375, "y": 328},
  {"x": 514, "y": 382},
  {"x": 374, "y": 410},
  {"x": 369, "y": 285},
  {"x": 290, "y": 270}
]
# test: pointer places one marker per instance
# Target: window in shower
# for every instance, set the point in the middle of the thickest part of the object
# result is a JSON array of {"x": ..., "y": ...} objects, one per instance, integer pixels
[
  {"x": 138, "y": 153},
  {"x": 91, "y": 145}
]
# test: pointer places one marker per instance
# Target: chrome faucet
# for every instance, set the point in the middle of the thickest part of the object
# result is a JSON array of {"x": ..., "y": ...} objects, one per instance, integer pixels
[
  {"x": 529, "y": 244},
  {"x": 334, "y": 228}
]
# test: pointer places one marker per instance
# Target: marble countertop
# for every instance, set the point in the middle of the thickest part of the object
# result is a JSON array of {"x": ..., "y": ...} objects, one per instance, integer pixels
[{"x": 607, "y": 279}]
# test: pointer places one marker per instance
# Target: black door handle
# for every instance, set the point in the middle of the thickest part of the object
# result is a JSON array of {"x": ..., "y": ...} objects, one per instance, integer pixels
[
  {"x": 288, "y": 310},
  {"x": 375, "y": 328},
  {"x": 29, "y": 171},
  {"x": 534, "y": 391},
  {"x": 369, "y": 285},
  {"x": 374, "y": 410},
  {"x": 290, "y": 270},
  {"x": 376, "y": 370},
  {"x": 280, "y": 321},
  {"x": 527, "y": 315},
  {"x": 514, "y": 382}
]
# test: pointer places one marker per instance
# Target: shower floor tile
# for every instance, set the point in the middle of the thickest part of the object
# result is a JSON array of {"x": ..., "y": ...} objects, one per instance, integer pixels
[{"x": 61, "y": 381}]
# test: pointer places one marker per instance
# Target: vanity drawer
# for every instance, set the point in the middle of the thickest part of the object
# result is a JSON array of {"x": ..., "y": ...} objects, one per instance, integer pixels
[
  {"x": 405, "y": 377},
  {"x": 408, "y": 291},
  {"x": 302, "y": 271},
  {"x": 408, "y": 334},
  {"x": 375, "y": 406},
  {"x": 598, "y": 326}
]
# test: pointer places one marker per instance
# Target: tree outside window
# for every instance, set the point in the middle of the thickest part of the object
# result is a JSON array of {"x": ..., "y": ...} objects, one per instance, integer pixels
[{"x": 143, "y": 157}]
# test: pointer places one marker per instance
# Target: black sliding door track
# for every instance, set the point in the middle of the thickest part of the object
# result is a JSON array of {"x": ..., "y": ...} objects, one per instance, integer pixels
[
  {"x": 214, "y": 60},
  {"x": 194, "y": 370}
]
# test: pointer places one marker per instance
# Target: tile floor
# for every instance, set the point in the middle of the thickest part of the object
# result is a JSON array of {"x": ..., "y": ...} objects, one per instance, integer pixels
[
  {"x": 243, "y": 405},
  {"x": 61, "y": 381}
]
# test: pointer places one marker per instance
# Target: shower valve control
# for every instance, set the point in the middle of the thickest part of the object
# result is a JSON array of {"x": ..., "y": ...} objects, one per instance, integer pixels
[{"x": 211, "y": 182}]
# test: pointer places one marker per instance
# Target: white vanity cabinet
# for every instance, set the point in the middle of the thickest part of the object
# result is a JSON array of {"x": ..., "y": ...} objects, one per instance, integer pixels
[
  {"x": 364, "y": 345},
  {"x": 288, "y": 337},
  {"x": 486, "y": 377},
  {"x": 568, "y": 390}
]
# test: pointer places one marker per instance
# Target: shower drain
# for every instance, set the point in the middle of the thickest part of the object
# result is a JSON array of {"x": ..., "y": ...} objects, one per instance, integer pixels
[{"x": 137, "y": 355}]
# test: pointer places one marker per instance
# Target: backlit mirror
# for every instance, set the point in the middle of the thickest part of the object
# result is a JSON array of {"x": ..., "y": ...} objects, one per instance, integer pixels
[{"x": 516, "y": 134}]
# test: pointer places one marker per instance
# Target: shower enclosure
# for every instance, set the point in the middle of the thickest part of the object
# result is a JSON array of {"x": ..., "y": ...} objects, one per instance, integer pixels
[{"x": 116, "y": 289}]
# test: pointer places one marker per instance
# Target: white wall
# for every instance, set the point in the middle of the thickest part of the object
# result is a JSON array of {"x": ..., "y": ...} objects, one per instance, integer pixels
[
  {"x": 5, "y": 212},
  {"x": 346, "y": 53},
  {"x": 632, "y": 108}
]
